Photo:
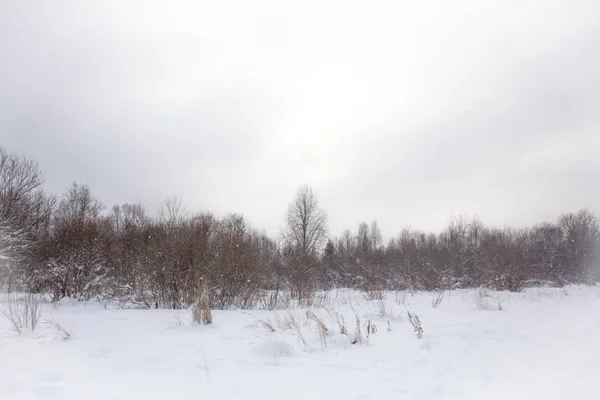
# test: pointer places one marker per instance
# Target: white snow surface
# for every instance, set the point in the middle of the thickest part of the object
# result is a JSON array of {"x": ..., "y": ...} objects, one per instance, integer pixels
[{"x": 543, "y": 344}]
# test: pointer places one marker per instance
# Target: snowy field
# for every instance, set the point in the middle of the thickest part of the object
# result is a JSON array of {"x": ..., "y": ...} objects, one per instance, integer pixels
[{"x": 542, "y": 344}]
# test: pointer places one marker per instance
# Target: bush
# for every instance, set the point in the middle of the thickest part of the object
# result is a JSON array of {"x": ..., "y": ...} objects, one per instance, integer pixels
[{"x": 23, "y": 313}]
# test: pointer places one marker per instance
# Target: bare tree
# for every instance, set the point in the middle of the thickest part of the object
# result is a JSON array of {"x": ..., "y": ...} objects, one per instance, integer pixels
[
  {"x": 172, "y": 211},
  {"x": 304, "y": 236},
  {"x": 12, "y": 246},
  {"x": 375, "y": 235},
  {"x": 22, "y": 200},
  {"x": 581, "y": 234},
  {"x": 25, "y": 213},
  {"x": 73, "y": 259},
  {"x": 363, "y": 241},
  {"x": 306, "y": 223}
]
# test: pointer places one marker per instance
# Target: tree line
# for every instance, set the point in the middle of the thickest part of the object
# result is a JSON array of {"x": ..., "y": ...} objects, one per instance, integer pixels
[{"x": 73, "y": 246}]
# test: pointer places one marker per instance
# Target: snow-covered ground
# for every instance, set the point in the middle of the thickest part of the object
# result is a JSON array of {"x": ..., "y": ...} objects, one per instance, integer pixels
[{"x": 543, "y": 344}]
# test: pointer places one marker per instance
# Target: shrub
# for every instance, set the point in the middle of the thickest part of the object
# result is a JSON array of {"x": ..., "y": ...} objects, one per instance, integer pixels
[{"x": 23, "y": 313}]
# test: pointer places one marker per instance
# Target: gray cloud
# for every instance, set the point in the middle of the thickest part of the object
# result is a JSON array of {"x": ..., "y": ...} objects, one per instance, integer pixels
[{"x": 405, "y": 114}]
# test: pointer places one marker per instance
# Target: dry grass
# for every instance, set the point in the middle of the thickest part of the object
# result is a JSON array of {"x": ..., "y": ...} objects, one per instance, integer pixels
[
  {"x": 358, "y": 336},
  {"x": 485, "y": 301},
  {"x": 438, "y": 297},
  {"x": 340, "y": 321},
  {"x": 202, "y": 313},
  {"x": 207, "y": 372},
  {"x": 371, "y": 328},
  {"x": 266, "y": 324},
  {"x": 381, "y": 308},
  {"x": 401, "y": 298},
  {"x": 23, "y": 313},
  {"x": 55, "y": 324},
  {"x": 285, "y": 323},
  {"x": 374, "y": 294},
  {"x": 177, "y": 322},
  {"x": 285, "y": 300},
  {"x": 415, "y": 321},
  {"x": 343, "y": 300},
  {"x": 289, "y": 322},
  {"x": 318, "y": 321},
  {"x": 321, "y": 326},
  {"x": 317, "y": 299},
  {"x": 206, "y": 315},
  {"x": 482, "y": 299},
  {"x": 275, "y": 300}
]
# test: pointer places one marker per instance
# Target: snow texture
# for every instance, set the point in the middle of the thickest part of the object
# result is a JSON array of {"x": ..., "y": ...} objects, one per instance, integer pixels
[{"x": 543, "y": 344}]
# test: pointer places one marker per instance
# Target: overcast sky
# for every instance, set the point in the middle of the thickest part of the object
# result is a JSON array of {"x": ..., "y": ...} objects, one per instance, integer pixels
[{"x": 408, "y": 112}]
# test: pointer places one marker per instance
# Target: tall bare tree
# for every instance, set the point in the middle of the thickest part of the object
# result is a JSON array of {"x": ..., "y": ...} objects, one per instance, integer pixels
[
  {"x": 306, "y": 223},
  {"x": 304, "y": 236}
]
